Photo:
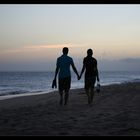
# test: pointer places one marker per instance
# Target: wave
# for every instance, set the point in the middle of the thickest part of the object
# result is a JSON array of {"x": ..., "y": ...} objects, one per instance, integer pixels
[
  {"x": 9, "y": 96},
  {"x": 137, "y": 80},
  {"x": 29, "y": 83},
  {"x": 13, "y": 92},
  {"x": 75, "y": 85}
]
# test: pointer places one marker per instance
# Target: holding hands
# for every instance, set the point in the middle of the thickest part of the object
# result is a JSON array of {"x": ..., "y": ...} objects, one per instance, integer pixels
[{"x": 79, "y": 77}]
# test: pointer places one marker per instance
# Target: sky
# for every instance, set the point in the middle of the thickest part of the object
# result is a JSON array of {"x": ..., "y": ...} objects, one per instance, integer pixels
[{"x": 32, "y": 35}]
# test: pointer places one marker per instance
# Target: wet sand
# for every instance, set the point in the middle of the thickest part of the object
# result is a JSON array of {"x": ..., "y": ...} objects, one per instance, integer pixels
[{"x": 115, "y": 111}]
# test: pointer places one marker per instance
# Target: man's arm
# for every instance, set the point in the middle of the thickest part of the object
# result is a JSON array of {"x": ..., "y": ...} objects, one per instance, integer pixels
[
  {"x": 75, "y": 70},
  {"x": 56, "y": 72},
  {"x": 54, "y": 83},
  {"x": 57, "y": 69},
  {"x": 83, "y": 69},
  {"x": 97, "y": 74}
]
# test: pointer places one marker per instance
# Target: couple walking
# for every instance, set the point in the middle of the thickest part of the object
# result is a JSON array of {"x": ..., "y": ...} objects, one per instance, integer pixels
[{"x": 64, "y": 78}]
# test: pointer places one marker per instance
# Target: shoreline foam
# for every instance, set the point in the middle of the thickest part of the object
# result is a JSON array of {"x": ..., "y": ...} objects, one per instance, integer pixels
[{"x": 4, "y": 97}]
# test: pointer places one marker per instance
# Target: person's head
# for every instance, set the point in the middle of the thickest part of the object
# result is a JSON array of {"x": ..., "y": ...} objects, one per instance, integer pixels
[
  {"x": 65, "y": 50},
  {"x": 89, "y": 52}
]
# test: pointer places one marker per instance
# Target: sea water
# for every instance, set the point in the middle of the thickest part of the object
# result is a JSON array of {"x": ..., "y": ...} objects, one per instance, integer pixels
[{"x": 15, "y": 83}]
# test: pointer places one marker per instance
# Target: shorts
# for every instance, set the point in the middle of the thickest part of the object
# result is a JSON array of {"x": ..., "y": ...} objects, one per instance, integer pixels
[
  {"x": 90, "y": 82},
  {"x": 64, "y": 84}
]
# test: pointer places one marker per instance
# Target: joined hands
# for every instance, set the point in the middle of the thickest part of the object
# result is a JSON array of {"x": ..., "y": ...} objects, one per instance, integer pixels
[{"x": 78, "y": 77}]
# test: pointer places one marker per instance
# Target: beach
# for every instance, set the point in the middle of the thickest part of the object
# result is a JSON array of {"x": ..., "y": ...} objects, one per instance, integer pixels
[{"x": 115, "y": 112}]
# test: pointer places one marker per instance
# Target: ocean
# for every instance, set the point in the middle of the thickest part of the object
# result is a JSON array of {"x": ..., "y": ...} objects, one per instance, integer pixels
[{"x": 28, "y": 83}]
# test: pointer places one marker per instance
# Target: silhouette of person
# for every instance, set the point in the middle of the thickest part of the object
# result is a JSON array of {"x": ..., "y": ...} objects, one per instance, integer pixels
[
  {"x": 64, "y": 78},
  {"x": 91, "y": 73}
]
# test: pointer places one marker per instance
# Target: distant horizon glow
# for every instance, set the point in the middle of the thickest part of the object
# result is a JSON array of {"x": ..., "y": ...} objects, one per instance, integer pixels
[{"x": 32, "y": 36}]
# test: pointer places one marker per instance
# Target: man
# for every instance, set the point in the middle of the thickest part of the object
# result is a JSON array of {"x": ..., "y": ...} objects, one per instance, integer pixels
[
  {"x": 64, "y": 78},
  {"x": 90, "y": 64}
]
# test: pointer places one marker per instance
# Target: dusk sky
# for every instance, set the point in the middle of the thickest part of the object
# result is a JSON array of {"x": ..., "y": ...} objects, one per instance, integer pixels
[{"x": 32, "y": 35}]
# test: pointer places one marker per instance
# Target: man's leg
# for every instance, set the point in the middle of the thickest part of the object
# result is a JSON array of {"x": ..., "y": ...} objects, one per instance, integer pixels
[
  {"x": 61, "y": 97},
  {"x": 67, "y": 88},
  {"x": 92, "y": 94},
  {"x": 87, "y": 87},
  {"x": 61, "y": 88},
  {"x": 66, "y": 96},
  {"x": 92, "y": 88},
  {"x": 88, "y": 95}
]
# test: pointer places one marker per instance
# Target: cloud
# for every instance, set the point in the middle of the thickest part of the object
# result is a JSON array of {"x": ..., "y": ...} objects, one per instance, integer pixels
[
  {"x": 29, "y": 48},
  {"x": 37, "y": 52},
  {"x": 33, "y": 48}
]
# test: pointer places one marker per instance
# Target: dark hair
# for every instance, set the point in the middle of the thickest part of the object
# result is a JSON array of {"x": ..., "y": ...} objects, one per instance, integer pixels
[
  {"x": 65, "y": 50},
  {"x": 89, "y": 52}
]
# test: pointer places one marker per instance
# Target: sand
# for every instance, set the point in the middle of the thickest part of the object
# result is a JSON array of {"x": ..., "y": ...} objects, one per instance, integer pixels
[{"x": 115, "y": 111}]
